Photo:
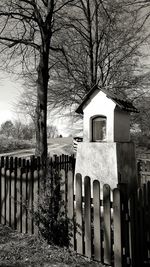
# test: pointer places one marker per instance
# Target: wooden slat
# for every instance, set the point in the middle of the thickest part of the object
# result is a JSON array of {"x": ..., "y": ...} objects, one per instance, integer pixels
[
  {"x": 29, "y": 201},
  {"x": 117, "y": 228},
  {"x": 107, "y": 224},
  {"x": 133, "y": 233},
  {"x": 18, "y": 215},
  {"x": 24, "y": 208},
  {"x": 70, "y": 207},
  {"x": 79, "y": 223},
  {"x": 97, "y": 221},
  {"x": 35, "y": 198},
  {"x": 7, "y": 196},
  {"x": 140, "y": 229},
  {"x": 15, "y": 191},
  {"x": 63, "y": 190},
  {"x": 148, "y": 219},
  {"x": 3, "y": 196},
  {"x": 87, "y": 217},
  {"x": 12, "y": 178}
]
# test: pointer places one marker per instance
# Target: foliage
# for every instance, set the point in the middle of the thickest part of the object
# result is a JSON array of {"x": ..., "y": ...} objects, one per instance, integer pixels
[
  {"x": 51, "y": 216},
  {"x": 7, "y": 128},
  {"x": 52, "y": 131},
  {"x": 17, "y": 130},
  {"x": 11, "y": 144}
]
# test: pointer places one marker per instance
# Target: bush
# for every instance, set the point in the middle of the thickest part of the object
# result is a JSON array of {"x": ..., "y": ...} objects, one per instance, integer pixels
[
  {"x": 11, "y": 144},
  {"x": 51, "y": 217}
]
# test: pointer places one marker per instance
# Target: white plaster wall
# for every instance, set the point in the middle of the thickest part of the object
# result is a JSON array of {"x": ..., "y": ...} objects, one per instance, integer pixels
[
  {"x": 110, "y": 163},
  {"x": 98, "y": 161},
  {"x": 121, "y": 126},
  {"x": 99, "y": 105}
]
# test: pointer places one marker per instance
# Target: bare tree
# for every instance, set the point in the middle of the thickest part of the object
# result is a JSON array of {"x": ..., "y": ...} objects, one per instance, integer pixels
[
  {"x": 26, "y": 30},
  {"x": 96, "y": 42},
  {"x": 99, "y": 47}
]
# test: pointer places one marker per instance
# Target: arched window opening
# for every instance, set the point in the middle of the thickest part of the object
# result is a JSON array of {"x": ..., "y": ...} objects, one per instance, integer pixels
[{"x": 99, "y": 129}]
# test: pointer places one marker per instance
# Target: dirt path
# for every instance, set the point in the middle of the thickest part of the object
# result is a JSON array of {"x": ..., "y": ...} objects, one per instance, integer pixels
[
  {"x": 23, "y": 250},
  {"x": 58, "y": 149}
]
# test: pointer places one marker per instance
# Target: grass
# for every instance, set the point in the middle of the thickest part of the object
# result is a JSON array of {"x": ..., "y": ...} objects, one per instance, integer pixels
[{"x": 23, "y": 250}]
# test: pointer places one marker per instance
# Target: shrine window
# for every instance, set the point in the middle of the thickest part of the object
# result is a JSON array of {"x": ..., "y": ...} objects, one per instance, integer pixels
[{"x": 99, "y": 129}]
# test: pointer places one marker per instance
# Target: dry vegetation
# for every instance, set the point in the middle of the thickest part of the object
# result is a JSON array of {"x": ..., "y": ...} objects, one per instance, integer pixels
[{"x": 23, "y": 250}]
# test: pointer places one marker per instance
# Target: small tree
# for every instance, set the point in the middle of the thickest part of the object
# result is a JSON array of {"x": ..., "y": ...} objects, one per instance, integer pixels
[
  {"x": 52, "y": 131},
  {"x": 7, "y": 128}
]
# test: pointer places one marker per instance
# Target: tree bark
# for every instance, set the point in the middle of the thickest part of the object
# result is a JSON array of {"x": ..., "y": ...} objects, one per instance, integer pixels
[{"x": 41, "y": 108}]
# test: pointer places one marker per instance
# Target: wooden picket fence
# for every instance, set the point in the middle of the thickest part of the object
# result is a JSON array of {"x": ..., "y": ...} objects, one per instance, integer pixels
[
  {"x": 105, "y": 225},
  {"x": 19, "y": 188},
  {"x": 96, "y": 221}
]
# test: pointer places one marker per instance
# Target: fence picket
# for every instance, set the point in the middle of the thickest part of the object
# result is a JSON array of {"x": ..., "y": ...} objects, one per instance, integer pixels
[
  {"x": 97, "y": 221},
  {"x": 117, "y": 228},
  {"x": 87, "y": 217},
  {"x": 63, "y": 190},
  {"x": 79, "y": 223},
  {"x": 70, "y": 206},
  {"x": 12, "y": 178},
  {"x": 3, "y": 197},
  {"x": 141, "y": 231},
  {"x": 7, "y": 196},
  {"x": 18, "y": 199},
  {"x": 107, "y": 224},
  {"x": 29, "y": 202},
  {"x": 24, "y": 204},
  {"x": 35, "y": 198},
  {"x": 133, "y": 233}
]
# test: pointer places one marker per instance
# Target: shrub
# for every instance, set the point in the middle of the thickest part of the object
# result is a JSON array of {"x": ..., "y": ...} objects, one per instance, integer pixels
[
  {"x": 10, "y": 144},
  {"x": 51, "y": 217}
]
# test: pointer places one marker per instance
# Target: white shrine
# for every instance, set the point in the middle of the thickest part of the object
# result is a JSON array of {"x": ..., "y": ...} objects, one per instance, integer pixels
[{"x": 106, "y": 153}]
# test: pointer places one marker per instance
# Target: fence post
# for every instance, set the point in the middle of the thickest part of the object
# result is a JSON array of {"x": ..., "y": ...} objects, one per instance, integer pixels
[
  {"x": 134, "y": 241},
  {"x": 117, "y": 228}
]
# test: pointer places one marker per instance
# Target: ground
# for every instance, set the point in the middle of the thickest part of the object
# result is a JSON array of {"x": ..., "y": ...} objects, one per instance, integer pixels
[
  {"x": 23, "y": 250},
  {"x": 57, "y": 146}
]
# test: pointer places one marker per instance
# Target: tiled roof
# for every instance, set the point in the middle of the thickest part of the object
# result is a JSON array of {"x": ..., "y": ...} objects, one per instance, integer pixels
[{"x": 124, "y": 104}]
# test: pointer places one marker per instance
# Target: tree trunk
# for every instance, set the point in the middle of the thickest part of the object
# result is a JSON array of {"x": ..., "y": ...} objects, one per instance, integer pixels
[{"x": 41, "y": 108}]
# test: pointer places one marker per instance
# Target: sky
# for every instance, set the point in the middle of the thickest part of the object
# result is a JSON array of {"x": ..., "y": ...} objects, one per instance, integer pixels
[{"x": 10, "y": 89}]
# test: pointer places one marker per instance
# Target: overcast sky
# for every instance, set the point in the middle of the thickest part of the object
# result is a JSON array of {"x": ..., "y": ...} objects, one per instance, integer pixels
[{"x": 9, "y": 92}]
